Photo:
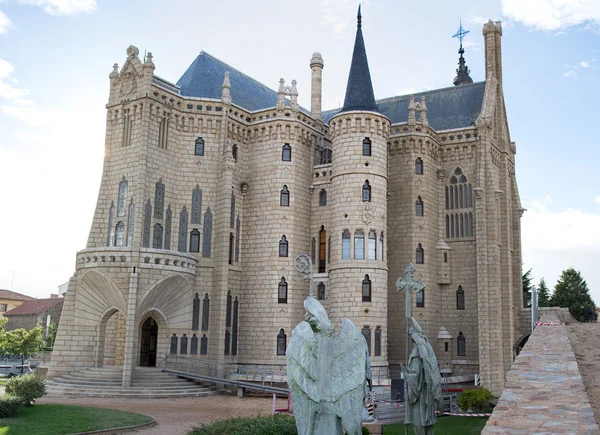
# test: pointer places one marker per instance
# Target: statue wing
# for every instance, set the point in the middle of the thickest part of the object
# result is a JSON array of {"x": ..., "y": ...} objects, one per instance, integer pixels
[
  {"x": 350, "y": 366},
  {"x": 302, "y": 377}
]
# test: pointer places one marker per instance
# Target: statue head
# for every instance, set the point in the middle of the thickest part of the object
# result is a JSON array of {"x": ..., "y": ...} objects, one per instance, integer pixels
[{"x": 317, "y": 317}]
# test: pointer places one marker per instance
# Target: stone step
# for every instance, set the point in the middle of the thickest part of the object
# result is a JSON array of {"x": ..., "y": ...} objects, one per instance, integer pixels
[
  {"x": 67, "y": 379},
  {"x": 133, "y": 394},
  {"x": 96, "y": 388}
]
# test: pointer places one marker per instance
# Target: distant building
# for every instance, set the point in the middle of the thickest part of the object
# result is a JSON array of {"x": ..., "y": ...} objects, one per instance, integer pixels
[
  {"x": 35, "y": 312},
  {"x": 62, "y": 289},
  {"x": 10, "y": 300}
]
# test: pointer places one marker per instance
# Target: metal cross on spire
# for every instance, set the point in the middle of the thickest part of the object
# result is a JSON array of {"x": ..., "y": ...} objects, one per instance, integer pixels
[{"x": 460, "y": 34}]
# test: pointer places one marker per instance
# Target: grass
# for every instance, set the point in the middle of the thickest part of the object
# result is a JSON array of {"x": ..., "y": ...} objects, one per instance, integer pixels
[
  {"x": 65, "y": 419},
  {"x": 280, "y": 424},
  {"x": 445, "y": 426}
]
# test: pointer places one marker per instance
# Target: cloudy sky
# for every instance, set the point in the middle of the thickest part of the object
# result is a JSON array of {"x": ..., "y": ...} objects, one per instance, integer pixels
[{"x": 55, "y": 57}]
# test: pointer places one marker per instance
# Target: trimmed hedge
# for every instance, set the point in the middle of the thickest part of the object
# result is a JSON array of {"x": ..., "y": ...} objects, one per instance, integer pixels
[
  {"x": 27, "y": 387},
  {"x": 9, "y": 405},
  {"x": 477, "y": 399}
]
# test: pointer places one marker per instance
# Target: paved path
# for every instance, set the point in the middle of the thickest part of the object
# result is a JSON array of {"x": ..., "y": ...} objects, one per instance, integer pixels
[{"x": 177, "y": 416}]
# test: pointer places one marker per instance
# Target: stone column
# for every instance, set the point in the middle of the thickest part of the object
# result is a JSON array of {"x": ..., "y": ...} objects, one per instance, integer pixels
[
  {"x": 130, "y": 326},
  {"x": 316, "y": 66}
]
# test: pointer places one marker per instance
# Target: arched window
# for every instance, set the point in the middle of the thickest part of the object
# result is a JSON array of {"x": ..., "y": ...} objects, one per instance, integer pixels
[
  {"x": 204, "y": 345},
  {"x": 228, "y": 310},
  {"x": 378, "y": 341},
  {"x": 119, "y": 233},
  {"x": 346, "y": 245},
  {"x": 173, "y": 347},
  {"x": 206, "y": 245},
  {"x": 459, "y": 195},
  {"x": 286, "y": 153},
  {"x": 122, "y": 202},
  {"x": 183, "y": 226},
  {"x": 194, "y": 345},
  {"x": 234, "y": 327},
  {"x": 372, "y": 251},
  {"x": 168, "y": 220},
  {"x": 147, "y": 223},
  {"x": 234, "y": 152},
  {"x": 199, "y": 148},
  {"x": 196, "y": 313},
  {"x": 366, "y": 149},
  {"x": 366, "y": 192},
  {"x": 195, "y": 241},
  {"x": 284, "y": 198},
  {"x": 130, "y": 224},
  {"x": 359, "y": 245},
  {"x": 460, "y": 298},
  {"x": 462, "y": 347},
  {"x": 366, "y": 289},
  {"x": 283, "y": 247},
  {"x": 281, "y": 342},
  {"x": 420, "y": 254},
  {"x": 322, "y": 197},
  {"x": 366, "y": 332},
  {"x": 196, "y": 205},
  {"x": 322, "y": 249},
  {"x": 419, "y": 166},
  {"x": 321, "y": 291},
  {"x": 282, "y": 291},
  {"x": 421, "y": 298},
  {"x": 381, "y": 246},
  {"x": 205, "y": 312},
  {"x": 183, "y": 346},
  {"x": 157, "y": 236},
  {"x": 159, "y": 200},
  {"x": 419, "y": 207}
]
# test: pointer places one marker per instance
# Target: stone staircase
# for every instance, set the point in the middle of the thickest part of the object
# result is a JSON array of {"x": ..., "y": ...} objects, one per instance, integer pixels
[{"x": 146, "y": 382}]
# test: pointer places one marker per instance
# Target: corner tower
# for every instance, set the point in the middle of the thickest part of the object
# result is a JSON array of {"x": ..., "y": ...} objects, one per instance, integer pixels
[{"x": 358, "y": 269}]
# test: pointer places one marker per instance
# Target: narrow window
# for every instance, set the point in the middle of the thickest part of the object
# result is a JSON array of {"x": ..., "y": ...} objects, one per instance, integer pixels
[
  {"x": 111, "y": 216},
  {"x": 372, "y": 246},
  {"x": 237, "y": 238},
  {"x": 147, "y": 223},
  {"x": 232, "y": 211},
  {"x": 462, "y": 347},
  {"x": 157, "y": 236},
  {"x": 313, "y": 249},
  {"x": 122, "y": 202},
  {"x": 204, "y": 345},
  {"x": 173, "y": 347},
  {"x": 282, "y": 291},
  {"x": 445, "y": 257},
  {"x": 127, "y": 128},
  {"x": 329, "y": 249},
  {"x": 286, "y": 153},
  {"x": 231, "y": 243},
  {"x": 283, "y": 247},
  {"x": 206, "y": 245},
  {"x": 199, "y": 148},
  {"x": 462, "y": 226},
  {"x": 196, "y": 313},
  {"x": 346, "y": 245},
  {"x": 446, "y": 347},
  {"x": 419, "y": 166},
  {"x": 197, "y": 205},
  {"x": 119, "y": 233},
  {"x": 194, "y": 345},
  {"x": 205, "y": 312},
  {"x": 359, "y": 245},
  {"x": 159, "y": 200},
  {"x": 322, "y": 250},
  {"x": 470, "y": 226},
  {"x": 281, "y": 342},
  {"x": 168, "y": 221},
  {"x": 460, "y": 298},
  {"x": 234, "y": 328},
  {"x": 234, "y": 152},
  {"x": 366, "y": 289},
  {"x": 366, "y": 332},
  {"x": 322, "y": 197},
  {"x": 227, "y": 342},
  {"x": 366, "y": 192},
  {"x": 183, "y": 225},
  {"x": 419, "y": 207},
  {"x": 183, "y": 346},
  {"x": 163, "y": 132},
  {"x": 447, "y": 226},
  {"x": 366, "y": 149},
  {"x": 420, "y": 254},
  {"x": 378, "y": 341},
  {"x": 195, "y": 241},
  {"x": 421, "y": 299},
  {"x": 284, "y": 198},
  {"x": 321, "y": 291},
  {"x": 228, "y": 310},
  {"x": 381, "y": 246},
  {"x": 130, "y": 224}
]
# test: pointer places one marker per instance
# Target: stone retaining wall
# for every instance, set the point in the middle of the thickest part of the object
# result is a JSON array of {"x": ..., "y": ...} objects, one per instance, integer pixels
[{"x": 544, "y": 392}]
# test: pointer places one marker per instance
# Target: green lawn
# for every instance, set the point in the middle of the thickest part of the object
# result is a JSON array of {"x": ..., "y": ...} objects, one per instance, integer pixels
[
  {"x": 446, "y": 426},
  {"x": 65, "y": 419}
]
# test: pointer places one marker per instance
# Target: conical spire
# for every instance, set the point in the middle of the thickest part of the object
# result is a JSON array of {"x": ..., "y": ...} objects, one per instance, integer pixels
[{"x": 359, "y": 92}]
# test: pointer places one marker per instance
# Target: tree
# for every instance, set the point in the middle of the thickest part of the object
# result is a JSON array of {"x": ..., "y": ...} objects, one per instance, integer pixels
[
  {"x": 527, "y": 289},
  {"x": 543, "y": 294},
  {"x": 21, "y": 342},
  {"x": 571, "y": 291}
]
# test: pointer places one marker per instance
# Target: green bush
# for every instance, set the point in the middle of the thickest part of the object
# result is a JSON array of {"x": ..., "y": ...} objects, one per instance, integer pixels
[
  {"x": 365, "y": 431},
  {"x": 279, "y": 424},
  {"x": 27, "y": 387},
  {"x": 9, "y": 405},
  {"x": 477, "y": 399}
]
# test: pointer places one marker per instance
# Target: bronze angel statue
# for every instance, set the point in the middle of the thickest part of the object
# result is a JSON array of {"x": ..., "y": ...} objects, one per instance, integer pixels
[{"x": 327, "y": 374}]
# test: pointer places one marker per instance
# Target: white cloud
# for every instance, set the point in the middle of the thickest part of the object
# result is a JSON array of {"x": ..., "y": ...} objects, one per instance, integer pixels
[
  {"x": 584, "y": 64},
  {"x": 63, "y": 7},
  {"x": 7, "y": 91},
  {"x": 5, "y": 23},
  {"x": 570, "y": 74},
  {"x": 333, "y": 12},
  {"x": 552, "y": 14},
  {"x": 597, "y": 199}
]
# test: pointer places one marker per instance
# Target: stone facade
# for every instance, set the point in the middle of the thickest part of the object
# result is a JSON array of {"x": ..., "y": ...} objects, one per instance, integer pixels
[{"x": 201, "y": 211}]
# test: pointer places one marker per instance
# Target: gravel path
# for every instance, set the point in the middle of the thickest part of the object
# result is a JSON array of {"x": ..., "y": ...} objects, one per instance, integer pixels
[{"x": 177, "y": 416}]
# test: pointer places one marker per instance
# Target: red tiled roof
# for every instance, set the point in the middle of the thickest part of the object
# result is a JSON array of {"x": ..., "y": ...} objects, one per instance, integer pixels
[
  {"x": 35, "y": 306},
  {"x": 9, "y": 294}
]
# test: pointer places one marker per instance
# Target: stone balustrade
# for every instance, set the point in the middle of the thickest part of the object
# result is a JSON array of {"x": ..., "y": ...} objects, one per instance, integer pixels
[{"x": 544, "y": 393}]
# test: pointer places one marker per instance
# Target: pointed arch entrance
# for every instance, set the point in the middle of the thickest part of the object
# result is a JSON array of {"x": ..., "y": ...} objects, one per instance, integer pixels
[{"x": 148, "y": 343}]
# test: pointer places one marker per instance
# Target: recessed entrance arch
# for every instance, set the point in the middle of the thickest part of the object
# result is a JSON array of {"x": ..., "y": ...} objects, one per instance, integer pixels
[{"x": 148, "y": 343}]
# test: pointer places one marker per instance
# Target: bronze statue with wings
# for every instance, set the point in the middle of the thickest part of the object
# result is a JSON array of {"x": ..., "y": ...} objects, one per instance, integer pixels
[{"x": 327, "y": 374}]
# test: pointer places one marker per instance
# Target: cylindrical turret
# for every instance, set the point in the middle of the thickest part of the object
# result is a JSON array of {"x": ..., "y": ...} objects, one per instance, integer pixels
[{"x": 316, "y": 66}]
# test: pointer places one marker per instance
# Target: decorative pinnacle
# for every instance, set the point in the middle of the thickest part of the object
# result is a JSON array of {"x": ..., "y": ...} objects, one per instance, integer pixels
[
  {"x": 115, "y": 72},
  {"x": 359, "y": 18}
]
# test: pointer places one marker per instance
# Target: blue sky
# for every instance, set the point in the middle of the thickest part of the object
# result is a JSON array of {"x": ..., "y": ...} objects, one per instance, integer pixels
[{"x": 55, "y": 57}]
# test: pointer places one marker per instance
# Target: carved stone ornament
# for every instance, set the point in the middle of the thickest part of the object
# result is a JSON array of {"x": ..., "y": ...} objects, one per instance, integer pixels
[
  {"x": 367, "y": 215},
  {"x": 128, "y": 83},
  {"x": 441, "y": 174},
  {"x": 244, "y": 188},
  {"x": 478, "y": 193}
]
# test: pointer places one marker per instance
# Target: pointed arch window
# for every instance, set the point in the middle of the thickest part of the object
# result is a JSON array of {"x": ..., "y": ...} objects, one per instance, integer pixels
[
  {"x": 206, "y": 245},
  {"x": 130, "y": 224},
  {"x": 196, "y": 205},
  {"x": 284, "y": 198},
  {"x": 346, "y": 245},
  {"x": 282, "y": 291},
  {"x": 281, "y": 342},
  {"x": 283, "y": 247},
  {"x": 286, "y": 153},
  {"x": 183, "y": 346},
  {"x": 111, "y": 216},
  {"x": 366, "y": 332},
  {"x": 322, "y": 198},
  {"x": 366, "y": 191},
  {"x": 378, "y": 341},
  {"x": 421, "y": 298},
  {"x": 147, "y": 223},
  {"x": 459, "y": 206},
  {"x": 359, "y": 245},
  {"x": 419, "y": 207},
  {"x": 366, "y": 289},
  {"x": 195, "y": 241},
  {"x": 194, "y": 345},
  {"x": 372, "y": 251},
  {"x": 205, "y": 312},
  {"x": 173, "y": 347},
  {"x": 366, "y": 147},
  {"x": 460, "y": 298},
  {"x": 122, "y": 202},
  {"x": 419, "y": 166},
  {"x": 234, "y": 328},
  {"x": 196, "y": 312},
  {"x": 420, "y": 254},
  {"x": 199, "y": 147},
  {"x": 322, "y": 250},
  {"x": 462, "y": 345},
  {"x": 381, "y": 246},
  {"x": 157, "y": 236},
  {"x": 183, "y": 230},
  {"x": 321, "y": 291},
  {"x": 159, "y": 200},
  {"x": 168, "y": 220},
  {"x": 204, "y": 345}
]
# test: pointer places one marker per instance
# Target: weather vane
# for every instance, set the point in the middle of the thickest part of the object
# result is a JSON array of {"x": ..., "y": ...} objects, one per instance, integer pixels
[{"x": 460, "y": 34}]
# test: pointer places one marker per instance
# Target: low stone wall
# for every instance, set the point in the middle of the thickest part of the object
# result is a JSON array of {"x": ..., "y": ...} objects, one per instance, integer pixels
[
  {"x": 563, "y": 314},
  {"x": 544, "y": 392}
]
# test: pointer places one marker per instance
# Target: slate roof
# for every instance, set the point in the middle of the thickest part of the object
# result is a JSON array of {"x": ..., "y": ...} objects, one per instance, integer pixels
[
  {"x": 35, "y": 306},
  {"x": 14, "y": 296},
  {"x": 447, "y": 108}
]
